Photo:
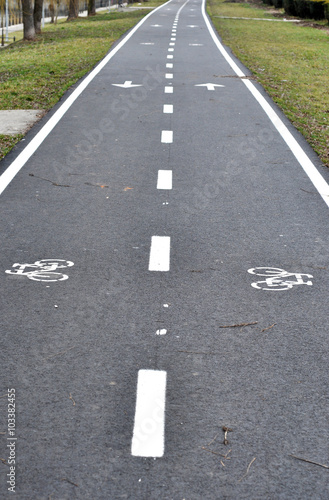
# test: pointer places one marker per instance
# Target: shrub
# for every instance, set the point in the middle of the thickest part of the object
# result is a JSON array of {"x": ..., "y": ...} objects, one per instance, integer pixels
[{"x": 307, "y": 9}]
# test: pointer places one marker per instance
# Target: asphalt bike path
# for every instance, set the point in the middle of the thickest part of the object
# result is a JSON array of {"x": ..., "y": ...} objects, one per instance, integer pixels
[{"x": 164, "y": 284}]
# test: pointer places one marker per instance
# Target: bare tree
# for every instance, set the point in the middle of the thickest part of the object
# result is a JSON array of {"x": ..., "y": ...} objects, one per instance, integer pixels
[
  {"x": 37, "y": 15},
  {"x": 52, "y": 11},
  {"x": 73, "y": 10},
  {"x": 91, "y": 8},
  {"x": 28, "y": 22}
]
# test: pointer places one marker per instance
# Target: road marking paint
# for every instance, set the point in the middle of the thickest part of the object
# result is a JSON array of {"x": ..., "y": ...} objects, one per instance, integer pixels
[
  {"x": 38, "y": 139},
  {"x": 167, "y": 136},
  {"x": 156, "y": 25},
  {"x": 169, "y": 65},
  {"x": 172, "y": 44},
  {"x": 170, "y": 57},
  {"x": 164, "y": 179},
  {"x": 210, "y": 86},
  {"x": 169, "y": 90},
  {"x": 171, "y": 50},
  {"x": 146, "y": 43},
  {"x": 168, "y": 108},
  {"x": 192, "y": 26},
  {"x": 160, "y": 254},
  {"x": 276, "y": 279},
  {"x": 195, "y": 44},
  {"x": 148, "y": 435},
  {"x": 161, "y": 331},
  {"x": 169, "y": 76},
  {"x": 309, "y": 168},
  {"x": 42, "y": 270},
  {"x": 127, "y": 85}
]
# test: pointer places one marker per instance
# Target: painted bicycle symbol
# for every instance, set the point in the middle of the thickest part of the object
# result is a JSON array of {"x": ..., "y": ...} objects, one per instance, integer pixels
[
  {"x": 43, "y": 270},
  {"x": 278, "y": 279}
]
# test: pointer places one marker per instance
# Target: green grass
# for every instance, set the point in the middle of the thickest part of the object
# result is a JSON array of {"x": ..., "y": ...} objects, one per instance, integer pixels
[
  {"x": 35, "y": 75},
  {"x": 291, "y": 62}
]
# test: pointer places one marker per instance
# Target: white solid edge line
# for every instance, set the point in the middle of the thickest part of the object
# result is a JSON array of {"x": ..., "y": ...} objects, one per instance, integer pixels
[
  {"x": 164, "y": 179},
  {"x": 27, "y": 152},
  {"x": 311, "y": 171},
  {"x": 160, "y": 254},
  {"x": 148, "y": 435}
]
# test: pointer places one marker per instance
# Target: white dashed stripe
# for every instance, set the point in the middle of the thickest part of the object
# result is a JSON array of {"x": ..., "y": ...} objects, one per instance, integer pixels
[
  {"x": 160, "y": 254},
  {"x": 164, "y": 179},
  {"x": 167, "y": 136},
  {"x": 168, "y": 108},
  {"x": 148, "y": 434}
]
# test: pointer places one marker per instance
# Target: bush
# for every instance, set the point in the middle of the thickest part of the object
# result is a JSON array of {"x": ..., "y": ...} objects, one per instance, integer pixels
[
  {"x": 317, "y": 10},
  {"x": 278, "y": 3},
  {"x": 289, "y": 7},
  {"x": 307, "y": 9}
]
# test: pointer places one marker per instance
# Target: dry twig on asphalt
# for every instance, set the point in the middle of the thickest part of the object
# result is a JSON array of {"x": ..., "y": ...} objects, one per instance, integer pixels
[
  {"x": 268, "y": 328},
  {"x": 72, "y": 399},
  {"x": 238, "y": 325},
  {"x": 244, "y": 475},
  {"x": 68, "y": 481},
  {"x": 309, "y": 461},
  {"x": 226, "y": 430}
]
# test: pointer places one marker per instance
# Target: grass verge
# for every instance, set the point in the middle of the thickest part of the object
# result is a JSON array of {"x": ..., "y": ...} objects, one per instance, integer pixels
[
  {"x": 35, "y": 75},
  {"x": 290, "y": 60}
]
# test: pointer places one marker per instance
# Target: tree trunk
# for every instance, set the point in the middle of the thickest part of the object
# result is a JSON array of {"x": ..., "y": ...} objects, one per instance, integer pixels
[
  {"x": 73, "y": 10},
  {"x": 52, "y": 11},
  {"x": 28, "y": 23},
  {"x": 91, "y": 8},
  {"x": 37, "y": 15}
]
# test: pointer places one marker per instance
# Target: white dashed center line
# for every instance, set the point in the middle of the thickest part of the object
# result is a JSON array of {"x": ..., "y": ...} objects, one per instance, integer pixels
[
  {"x": 168, "y": 108},
  {"x": 171, "y": 50},
  {"x": 148, "y": 435},
  {"x": 169, "y": 65},
  {"x": 167, "y": 136},
  {"x": 160, "y": 254},
  {"x": 169, "y": 76},
  {"x": 169, "y": 90},
  {"x": 164, "y": 179},
  {"x": 170, "y": 57}
]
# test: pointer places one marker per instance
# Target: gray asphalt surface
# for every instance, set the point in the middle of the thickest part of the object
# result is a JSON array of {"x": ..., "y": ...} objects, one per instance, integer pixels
[{"x": 72, "y": 349}]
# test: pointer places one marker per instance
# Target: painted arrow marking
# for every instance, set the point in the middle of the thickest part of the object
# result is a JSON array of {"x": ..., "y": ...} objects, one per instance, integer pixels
[
  {"x": 127, "y": 85},
  {"x": 210, "y": 86}
]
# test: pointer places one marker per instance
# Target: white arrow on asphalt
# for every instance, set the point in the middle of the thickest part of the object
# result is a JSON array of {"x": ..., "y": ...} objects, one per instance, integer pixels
[
  {"x": 210, "y": 86},
  {"x": 126, "y": 85}
]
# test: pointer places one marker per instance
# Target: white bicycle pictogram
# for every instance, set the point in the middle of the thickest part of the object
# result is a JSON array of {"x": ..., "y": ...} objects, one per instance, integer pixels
[
  {"x": 276, "y": 279},
  {"x": 43, "y": 270}
]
